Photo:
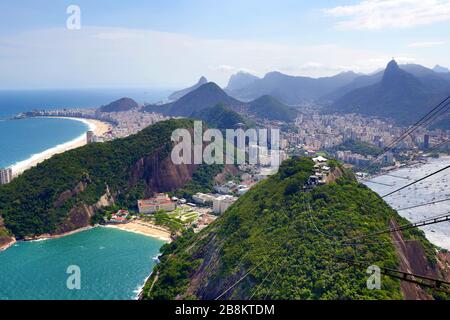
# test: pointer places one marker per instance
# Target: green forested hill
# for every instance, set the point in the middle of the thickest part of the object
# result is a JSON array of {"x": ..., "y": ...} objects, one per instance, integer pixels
[
  {"x": 221, "y": 117},
  {"x": 33, "y": 203},
  {"x": 287, "y": 250},
  {"x": 272, "y": 109},
  {"x": 357, "y": 146}
]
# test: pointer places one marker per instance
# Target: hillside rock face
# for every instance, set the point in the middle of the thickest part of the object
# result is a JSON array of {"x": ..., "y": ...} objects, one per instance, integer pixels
[
  {"x": 5, "y": 239},
  {"x": 161, "y": 176}
]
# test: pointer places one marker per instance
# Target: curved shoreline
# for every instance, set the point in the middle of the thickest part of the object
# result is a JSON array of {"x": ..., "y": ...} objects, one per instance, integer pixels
[
  {"x": 8, "y": 245},
  {"x": 155, "y": 233},
  {"x": 97, "y": 126}
]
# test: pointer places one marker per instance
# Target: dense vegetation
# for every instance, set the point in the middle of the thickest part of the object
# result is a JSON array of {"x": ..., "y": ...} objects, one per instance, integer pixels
[
  {"x": 357, "y": 146},
  {"x": 27, "y": 204},
  {"x": 123, "y": 104},
  {"x": 270, "y": 108},
  {"x": 221, "y": 117},
  {"x": 288, "y": 238},
  {"x": 202, "y": 181}
]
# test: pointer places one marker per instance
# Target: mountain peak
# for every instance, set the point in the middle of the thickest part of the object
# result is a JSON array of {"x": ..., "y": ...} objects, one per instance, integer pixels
[
  {"x": 123, "y": 104},
  {"x": 179, "y": 94},
  {"x": 393, "y": 73},
  {"x": 392, "y": 65},
  {"x": 202, "y": 80},
  {"x": 240, "y": 80}
]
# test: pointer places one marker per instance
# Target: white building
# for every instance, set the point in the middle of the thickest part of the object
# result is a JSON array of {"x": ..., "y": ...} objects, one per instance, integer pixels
[
  {"x": 90, "y": 136},
  {"x": 222, "y": 203},
  {"x": 5, "y": 176},
  {"x": 161, "y": 202},
  {"x": 203, "y": 198}
]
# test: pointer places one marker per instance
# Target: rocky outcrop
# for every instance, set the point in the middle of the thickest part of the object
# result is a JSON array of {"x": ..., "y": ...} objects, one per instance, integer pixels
[
  {"x": 413, "y": 259},
  {"x": 80, "y": 216},
  {"x": 161, "y": 175},
  {"x": 69, "y": 194},
  {"x": 229, "y": 169},
  {"x": 5, "y": 239},
  {"x": 6, "y": 242}
]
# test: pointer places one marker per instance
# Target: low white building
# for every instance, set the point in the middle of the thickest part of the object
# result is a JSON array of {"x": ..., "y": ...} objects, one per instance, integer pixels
[
  {"x": 161, "y": 202},
  {"x": 222, "y": 203},
  {"x": 203, "y": 198}
]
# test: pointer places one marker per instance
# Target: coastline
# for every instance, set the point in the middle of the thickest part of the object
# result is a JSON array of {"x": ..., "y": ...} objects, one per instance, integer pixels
[
  {"x": 8, "y": 245},
  {"x": 43, "y": 237},
  {"x": 98, "y": 127},
  {"x": 144, "y": 229}
]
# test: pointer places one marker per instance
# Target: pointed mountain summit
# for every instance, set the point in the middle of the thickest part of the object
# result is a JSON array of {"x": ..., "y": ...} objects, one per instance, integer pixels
[
  {"x": 399, "y": 95},
  {"x": 178, "y": 94},
  {"x": 394, "y": 76},
  {"x": 392, "y": 71},
  {"x": 206, "y": 96}
]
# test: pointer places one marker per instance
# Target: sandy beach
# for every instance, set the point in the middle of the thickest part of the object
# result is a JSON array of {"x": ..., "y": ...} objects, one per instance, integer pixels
[
  {"x": 98, "y": 127},
  {"x": 145, "y": 229}
]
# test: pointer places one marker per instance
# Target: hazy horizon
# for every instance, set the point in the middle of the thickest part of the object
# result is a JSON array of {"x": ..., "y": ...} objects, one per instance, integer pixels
[{"x": 171, "y": 45}]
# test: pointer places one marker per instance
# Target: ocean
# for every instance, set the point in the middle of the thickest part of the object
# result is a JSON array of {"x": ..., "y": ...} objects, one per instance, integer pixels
[
  {"x": 113, "y": 265},
  {"x": 21, "y": 139},
  {"x": 432, "y": 189}
]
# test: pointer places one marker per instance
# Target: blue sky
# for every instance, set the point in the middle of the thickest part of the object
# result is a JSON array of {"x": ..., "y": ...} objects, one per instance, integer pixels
[{"x": 172, "y": 43}]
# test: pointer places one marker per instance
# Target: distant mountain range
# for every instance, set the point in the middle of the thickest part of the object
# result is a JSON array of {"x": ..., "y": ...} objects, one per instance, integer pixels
[
  {"x": 240, "y": 80},
  {"x": 403, "y": 94},
  {"x": 290, "y": 90},
  {"x": 123, "y": 104},
  {"x": 210, "y": 94},
  {"x": 179, "y": 94}
]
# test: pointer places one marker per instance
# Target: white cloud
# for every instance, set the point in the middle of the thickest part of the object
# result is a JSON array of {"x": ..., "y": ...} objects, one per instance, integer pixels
[
  {"x": 380, "y": 14},
  {"x": 113, "y": 57},
  {"x": 426, "y": 44},
  {"x": 231, "y": 69}
]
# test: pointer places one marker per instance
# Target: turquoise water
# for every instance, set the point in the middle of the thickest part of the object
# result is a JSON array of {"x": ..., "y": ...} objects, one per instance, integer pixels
[
  {"x": 21, "y": 139},
  {"x": 113, "y": 265}
]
